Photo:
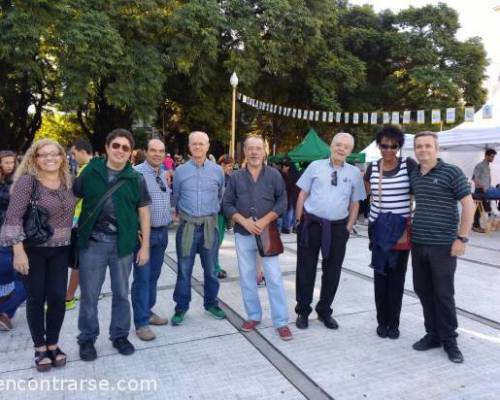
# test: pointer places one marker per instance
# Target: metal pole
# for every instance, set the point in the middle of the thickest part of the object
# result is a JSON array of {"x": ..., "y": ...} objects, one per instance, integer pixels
[{"x": 233, "y": 125}]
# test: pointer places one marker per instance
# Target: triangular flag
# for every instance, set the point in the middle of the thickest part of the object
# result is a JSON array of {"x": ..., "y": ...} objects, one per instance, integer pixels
[
  {"x": 406, "y": 117},
  {"x": 436, "y": 116},
  {"x": 395, "y": 117},
  {"x": 450, "y": 115},
  {"x": 487, "y": 111},
  {"x": 469, "y": 114},
  {"x": 421, "y": 116}
]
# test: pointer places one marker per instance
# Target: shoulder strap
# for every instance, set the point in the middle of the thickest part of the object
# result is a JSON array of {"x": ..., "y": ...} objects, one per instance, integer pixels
[
  {"x": 103, "y": 199},
  {"x": 380, "y": 177}
]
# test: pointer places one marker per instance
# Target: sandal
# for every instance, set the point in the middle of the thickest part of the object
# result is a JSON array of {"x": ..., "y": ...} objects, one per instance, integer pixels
[
  {"x": 61, "y": 362},
  {"x": 39, "y": 357}
]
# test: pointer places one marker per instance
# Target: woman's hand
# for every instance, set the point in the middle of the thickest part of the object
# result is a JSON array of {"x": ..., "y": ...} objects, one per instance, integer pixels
[{"x": 21, "y": 263}]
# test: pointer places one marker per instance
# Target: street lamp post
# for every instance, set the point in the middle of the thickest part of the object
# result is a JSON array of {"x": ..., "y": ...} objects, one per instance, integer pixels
[{"x": 234, "y": 83}]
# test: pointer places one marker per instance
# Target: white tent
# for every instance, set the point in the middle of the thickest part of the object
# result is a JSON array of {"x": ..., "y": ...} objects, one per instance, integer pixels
[{"x": 464, "y": 145}]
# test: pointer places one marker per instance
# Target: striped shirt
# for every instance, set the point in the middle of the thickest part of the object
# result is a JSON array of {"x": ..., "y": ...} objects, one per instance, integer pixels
[
  {"x": 436, "y": 196},
  {"x": 160, "y": 199},
  {"x": 395, "y": 187}
]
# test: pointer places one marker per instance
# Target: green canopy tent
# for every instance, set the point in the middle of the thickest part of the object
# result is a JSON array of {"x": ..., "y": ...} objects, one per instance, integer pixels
[{"x": 310, "y": 149}]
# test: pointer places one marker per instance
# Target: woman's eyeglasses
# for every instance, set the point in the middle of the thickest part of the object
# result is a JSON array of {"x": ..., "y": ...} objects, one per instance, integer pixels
[
  {"x": 389, "y": 146},
  {"x": 160, "y": 183},
  {"x": 334, "y": 178},
  {"x": 116, "y": 146},
  {"x": 44, "y": 156}
]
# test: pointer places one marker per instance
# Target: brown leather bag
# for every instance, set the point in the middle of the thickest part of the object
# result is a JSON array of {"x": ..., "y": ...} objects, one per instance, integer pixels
[{"x": 269, "y": 241}]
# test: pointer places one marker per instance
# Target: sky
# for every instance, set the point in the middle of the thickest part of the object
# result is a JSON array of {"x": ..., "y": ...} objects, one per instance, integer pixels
[{"x": 477, "y": 18}]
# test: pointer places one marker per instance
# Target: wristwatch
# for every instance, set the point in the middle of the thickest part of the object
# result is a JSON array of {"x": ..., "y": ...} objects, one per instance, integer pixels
[{"x": 463, "y": 239}]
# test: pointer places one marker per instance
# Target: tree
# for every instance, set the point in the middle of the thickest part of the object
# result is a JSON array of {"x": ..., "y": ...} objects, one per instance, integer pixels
[
  {"x": 28, "y": 79},
  {"x": 110, "y": 62}
]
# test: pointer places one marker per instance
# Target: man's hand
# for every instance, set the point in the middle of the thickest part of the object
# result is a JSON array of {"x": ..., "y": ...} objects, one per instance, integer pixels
[
  {"x": 260, "y": 225},
  {"x": 21, "y": 263},
  {"x": 457, "y": 248},
  {"x": 251, "y": 226},
  {"x": 142, "y": 256}
]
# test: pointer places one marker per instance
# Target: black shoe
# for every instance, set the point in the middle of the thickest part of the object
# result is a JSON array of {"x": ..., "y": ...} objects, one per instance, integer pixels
[
  {"x": 222, "y": 274},
  {"x": 382, "y": 331},
  {"x": 123, "y": 346},
  {"x": 328, "y": 321},
  {"x": 302, "y": 322},
  {"x": 87, "y": 351},
  {"x": 393, "y": 333},
  {"x": 454, "y": 354},
  {"x": 426, "y": 343}
]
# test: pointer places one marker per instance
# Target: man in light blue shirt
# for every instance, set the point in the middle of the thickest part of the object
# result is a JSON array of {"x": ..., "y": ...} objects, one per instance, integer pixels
[
  {"x": 326, "y": 210},
  {"x": 198, "y": 188}
]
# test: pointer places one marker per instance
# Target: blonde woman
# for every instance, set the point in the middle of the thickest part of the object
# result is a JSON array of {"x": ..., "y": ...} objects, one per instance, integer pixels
[{"x": 44, "y": 266}]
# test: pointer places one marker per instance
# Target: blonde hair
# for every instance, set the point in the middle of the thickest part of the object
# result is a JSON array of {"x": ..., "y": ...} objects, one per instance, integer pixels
[{"x": 29, "y": 165}]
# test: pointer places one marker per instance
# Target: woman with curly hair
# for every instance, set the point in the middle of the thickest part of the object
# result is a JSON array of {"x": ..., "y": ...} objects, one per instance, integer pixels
[{"x": 43, "y": 266}]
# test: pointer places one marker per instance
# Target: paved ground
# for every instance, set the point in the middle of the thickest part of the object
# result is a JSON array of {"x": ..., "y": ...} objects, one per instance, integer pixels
[{"x": 209, "y": 359}]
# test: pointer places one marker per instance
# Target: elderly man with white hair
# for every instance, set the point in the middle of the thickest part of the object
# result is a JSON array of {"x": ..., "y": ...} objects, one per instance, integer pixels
[
  {"x": 327, "y": 207},
  {"x": 198, "y": 187}
]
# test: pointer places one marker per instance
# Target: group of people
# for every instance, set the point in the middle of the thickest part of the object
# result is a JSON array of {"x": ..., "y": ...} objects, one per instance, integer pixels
[{"x": 123, "y": 213}]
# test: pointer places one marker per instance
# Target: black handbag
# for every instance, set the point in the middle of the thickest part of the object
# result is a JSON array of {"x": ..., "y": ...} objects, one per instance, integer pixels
[{"x": 36, "y": 220}]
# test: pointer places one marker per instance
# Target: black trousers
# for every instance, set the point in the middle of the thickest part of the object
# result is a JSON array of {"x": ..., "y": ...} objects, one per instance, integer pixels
[
  {"x": 433, "y": 280},
  {"x": 307, "y": 263},
  {"x": 389, "y": 288},
  {"x": 46, "y": 283}
]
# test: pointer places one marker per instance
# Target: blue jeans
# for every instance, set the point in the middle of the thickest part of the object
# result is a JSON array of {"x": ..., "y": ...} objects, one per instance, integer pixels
[
  {"x": 94, "y": 261},
  {"x": 146, "y": 277},
  {"x": 246, "y": 251},
  {"x": 17, "y": 298},
  {"x": 182, "y": 292},
  {"x": 289, "y": 218},
  {"x": 7, "y": 276}
]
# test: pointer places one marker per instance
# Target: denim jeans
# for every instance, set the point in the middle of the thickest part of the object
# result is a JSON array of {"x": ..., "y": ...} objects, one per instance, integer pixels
[
  {"x": 16, "y": 298},
  {"x": 182, "y": 292},
  {"x": 288, "y": 218},
  {"x": 94, "y": 261},
  {"x": 146, "y": 277},
  {"x": 246, "y": 251}
]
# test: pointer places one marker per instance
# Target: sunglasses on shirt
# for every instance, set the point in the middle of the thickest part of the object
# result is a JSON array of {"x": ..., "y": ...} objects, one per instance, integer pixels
[
  {"x": 160, "y": 183},
  {"x": 334, "y": 178}
]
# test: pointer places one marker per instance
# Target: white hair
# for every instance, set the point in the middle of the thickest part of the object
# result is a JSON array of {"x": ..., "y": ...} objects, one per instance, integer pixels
[
  {"x": 342, "y": 134},
  {"x": 195, "y": 133}
]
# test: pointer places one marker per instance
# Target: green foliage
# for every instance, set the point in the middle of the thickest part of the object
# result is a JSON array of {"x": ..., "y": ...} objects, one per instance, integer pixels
[
  {"x": 62, "y": 128},
  {"x": 113, "y": 63}
]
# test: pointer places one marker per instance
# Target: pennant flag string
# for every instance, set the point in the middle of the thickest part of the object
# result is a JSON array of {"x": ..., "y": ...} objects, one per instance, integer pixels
[{"x": 373, "y": 117}]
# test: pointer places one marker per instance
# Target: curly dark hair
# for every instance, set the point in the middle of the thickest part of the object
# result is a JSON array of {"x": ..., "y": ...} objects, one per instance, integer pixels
[{"x": 391, "y": 132}]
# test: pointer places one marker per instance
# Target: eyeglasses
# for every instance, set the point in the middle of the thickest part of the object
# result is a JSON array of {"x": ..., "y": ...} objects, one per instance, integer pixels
[
  {"x": 160, "y": 183},
  {"x": 47, "y": 155},
  {"x": 124, "y": 147},
  {"x": 334, "y": 178},
  {"x": 389, "y": 146}
]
